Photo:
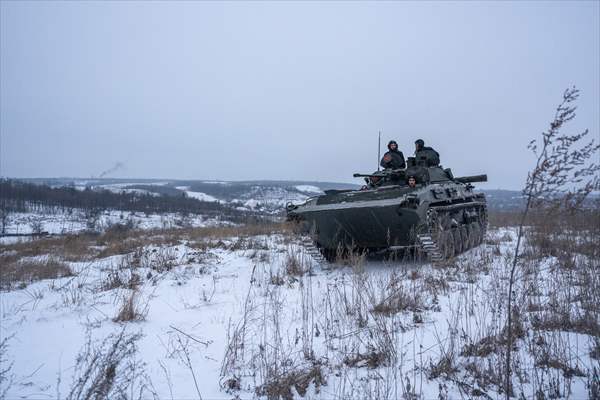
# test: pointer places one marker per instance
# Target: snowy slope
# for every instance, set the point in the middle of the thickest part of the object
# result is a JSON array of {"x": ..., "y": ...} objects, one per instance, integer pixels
[{"x": 240, "y": 316}]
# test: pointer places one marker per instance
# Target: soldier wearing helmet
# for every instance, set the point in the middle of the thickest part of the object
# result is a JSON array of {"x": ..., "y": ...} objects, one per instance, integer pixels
[
  {"x": 424, "y": 155},
  {"x": 412, "y": 181},
  {"x": 393, "y": 158}
]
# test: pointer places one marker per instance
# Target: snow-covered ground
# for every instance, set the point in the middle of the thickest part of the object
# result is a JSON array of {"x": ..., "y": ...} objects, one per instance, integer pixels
[
  {"x": 309, "y": 189},
  {"x": 268, "y": 199},
  {"x": 76, "y": 221},
  {"x": 259, "y": 316},
  {"x": 197, "y": 195}
]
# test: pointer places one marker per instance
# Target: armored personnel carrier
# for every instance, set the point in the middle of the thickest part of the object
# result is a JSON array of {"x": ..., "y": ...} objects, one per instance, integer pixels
[{"x": 439, "y": 217}]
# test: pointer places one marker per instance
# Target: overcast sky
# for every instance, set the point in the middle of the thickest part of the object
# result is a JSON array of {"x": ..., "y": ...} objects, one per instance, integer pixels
[{"x": 287, "y": 91}]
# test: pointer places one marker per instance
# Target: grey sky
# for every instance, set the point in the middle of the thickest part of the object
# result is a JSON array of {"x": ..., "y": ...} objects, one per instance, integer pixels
[{"x": 283, "y": 90}]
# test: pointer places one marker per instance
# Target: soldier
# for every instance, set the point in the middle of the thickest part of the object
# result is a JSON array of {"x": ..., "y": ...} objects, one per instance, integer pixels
[
  {"x": 412, "y": 181},
  {"x": 426, "y": 155},
  {"x": 393, "y": 158}
]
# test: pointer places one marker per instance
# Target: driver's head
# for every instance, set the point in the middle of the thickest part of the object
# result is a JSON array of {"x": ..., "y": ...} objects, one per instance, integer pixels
[
  {"x": 419, "y": 143},
  {"x": 392, "y": 145},
  {"x": 412, "y": 182}
]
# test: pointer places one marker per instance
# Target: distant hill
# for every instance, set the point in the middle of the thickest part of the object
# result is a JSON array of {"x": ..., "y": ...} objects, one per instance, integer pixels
[{"x": 259, "y": 195}]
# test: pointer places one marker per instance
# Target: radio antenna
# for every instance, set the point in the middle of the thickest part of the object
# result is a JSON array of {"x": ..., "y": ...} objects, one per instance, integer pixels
[{"x": 378, "y": 150}]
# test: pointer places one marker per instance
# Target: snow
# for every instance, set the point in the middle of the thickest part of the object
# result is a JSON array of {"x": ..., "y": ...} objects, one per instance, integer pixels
[
  {"x": 268, "y": 199},
  {"x": 128, "y": 190},
  {"x": 201, "y": 196},
  {"x": 197, "y": 195},
  {"x": 215, "y": 293},
  {"x": 123, "y": 185},
  {"x": 309, "y": 189},
  {"x": 76, "y": 221}
]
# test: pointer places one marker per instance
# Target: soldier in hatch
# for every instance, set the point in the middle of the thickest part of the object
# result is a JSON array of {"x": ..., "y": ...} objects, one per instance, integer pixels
[
  {"x": 412, "y": 182},
  {"x": 426, "y": 155},
  {"x": 393, "y": 158}
]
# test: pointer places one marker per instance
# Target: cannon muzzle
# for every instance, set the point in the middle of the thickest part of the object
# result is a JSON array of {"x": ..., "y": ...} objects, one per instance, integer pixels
[{"x": 472, "y": 178}]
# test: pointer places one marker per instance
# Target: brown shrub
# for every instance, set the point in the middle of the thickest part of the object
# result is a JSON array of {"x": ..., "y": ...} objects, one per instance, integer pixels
[
  {"x": 558, "y": 321},
  {"x": 295, "y": 263},
  {"x": 482, "y": 348},
  {"x": 372, "y": 359},
  {"x": 400, "y": 300},
  {"x": 131, "y": 309},
  {"x": 280, "y": 387},
  {"x": 25, "y": 272},
  {"x": 502, "y": 219},
  {"x": 66, "y": 247},
  {"x": 240, "y": 231},
  {"x": 568, "y": 370}
]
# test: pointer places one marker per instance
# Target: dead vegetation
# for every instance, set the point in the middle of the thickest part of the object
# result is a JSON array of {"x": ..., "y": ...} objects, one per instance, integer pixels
[
  {"x": 110, "y": 370},
  {"x": 132, "y": 308},
  {"x": 123, "y": 240},
  {"x": 25, "y": 271},
  {"x": 280, "y": 387},
  {"x": 6, "y": 365},
  {"x": 46, "y": 258}
]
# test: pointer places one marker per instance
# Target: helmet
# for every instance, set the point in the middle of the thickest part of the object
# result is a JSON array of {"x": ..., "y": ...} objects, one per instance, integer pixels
[
  {"x": 391, "y": 143},
  {"x": 420, "y": 142}
]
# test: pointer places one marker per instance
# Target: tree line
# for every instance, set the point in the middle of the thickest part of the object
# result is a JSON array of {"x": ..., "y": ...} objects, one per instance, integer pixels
[{"x": 18, "y": 196}]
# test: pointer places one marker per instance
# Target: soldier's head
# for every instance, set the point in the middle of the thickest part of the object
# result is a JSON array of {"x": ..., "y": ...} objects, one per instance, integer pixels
[
  {"x": 419, "y": 143},
  {"x": 412, "y": 181},
  {"x": 392, "y": 145}
]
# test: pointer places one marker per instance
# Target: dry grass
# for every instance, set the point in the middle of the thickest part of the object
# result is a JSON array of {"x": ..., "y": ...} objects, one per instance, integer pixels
[
  {"x": 68, "y": 247},
  {"x": 120, "y": 240},
  {"x": 482, "y": 348},
  {"x": 110, "y": 370},
  {"x": 296, "y": 263},
  {"x": 220, "y": 232},
  {"x": 6, "y": 365},
  {"x": 503, "y": 219},
  {"x": 131, "y": 308},
  {"x": 371, "y": 359},
  {"x": 20, "y": 273},
  {"x": 281, "y": 387}
]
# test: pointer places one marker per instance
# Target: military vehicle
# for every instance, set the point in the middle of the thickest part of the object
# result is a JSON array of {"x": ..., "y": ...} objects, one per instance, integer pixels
[{"x": 440, "y": 217}]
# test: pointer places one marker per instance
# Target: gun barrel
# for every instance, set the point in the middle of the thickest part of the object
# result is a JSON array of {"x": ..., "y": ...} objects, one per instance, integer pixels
[
  {"x": 472, "y": 178},
  {"x": 385, "y": 172}
]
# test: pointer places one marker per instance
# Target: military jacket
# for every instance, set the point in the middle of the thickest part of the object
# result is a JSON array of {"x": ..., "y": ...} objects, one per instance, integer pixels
[
  {"x": 427, "y": 157},
  {"x": 393, "y": 160}
]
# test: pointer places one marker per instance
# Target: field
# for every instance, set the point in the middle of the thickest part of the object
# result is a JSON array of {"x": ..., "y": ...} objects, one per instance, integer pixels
[{"x": 246, "y": 311}]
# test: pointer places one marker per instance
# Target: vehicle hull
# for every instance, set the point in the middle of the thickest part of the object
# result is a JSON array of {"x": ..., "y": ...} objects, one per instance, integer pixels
[{"x": 368, "y": 227}]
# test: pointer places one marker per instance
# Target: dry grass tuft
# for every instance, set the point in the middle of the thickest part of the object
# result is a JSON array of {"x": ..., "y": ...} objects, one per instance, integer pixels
[
  {"x": 110, "y": 370},
  {"x": 372, "y": 359},
  {"x": 131, "y": 309},
  {"x": 21, "y": 273},
  {"x": 295, "y": 264},
  {"x": 280, "y": 387}
]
